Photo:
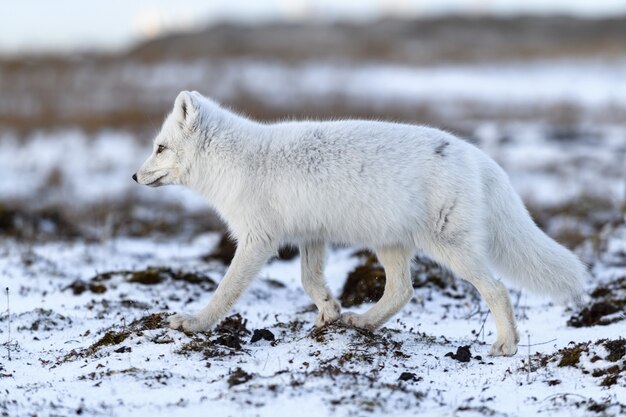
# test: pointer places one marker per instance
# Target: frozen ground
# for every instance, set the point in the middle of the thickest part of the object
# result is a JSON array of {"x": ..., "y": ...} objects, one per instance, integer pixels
[
  {"x": 142, "y": 89},
  {"x": 79, "y": 337},
  {"x": 77, "y": 347},
  {"x": 82, "y": 329}
]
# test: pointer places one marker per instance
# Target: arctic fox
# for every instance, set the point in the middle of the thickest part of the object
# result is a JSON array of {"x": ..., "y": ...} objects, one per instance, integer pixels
[{"x": 394, "y": 188}]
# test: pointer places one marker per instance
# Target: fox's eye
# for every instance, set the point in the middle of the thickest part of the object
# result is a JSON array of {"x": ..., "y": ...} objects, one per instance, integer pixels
[{"x": 160, "y": 149}]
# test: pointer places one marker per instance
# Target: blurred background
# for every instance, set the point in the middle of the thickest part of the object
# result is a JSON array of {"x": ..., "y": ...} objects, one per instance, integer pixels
[{"x": 538, "y": 85}]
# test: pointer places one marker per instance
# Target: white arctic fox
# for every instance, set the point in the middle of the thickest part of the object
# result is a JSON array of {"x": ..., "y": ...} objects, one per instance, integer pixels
[{"x": 394, "y": 188}]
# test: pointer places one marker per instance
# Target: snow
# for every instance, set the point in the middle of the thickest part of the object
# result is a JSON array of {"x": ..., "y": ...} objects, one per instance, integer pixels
[
  {"x": 290, "y": 376},
  {"x": 512, "y": 84}
]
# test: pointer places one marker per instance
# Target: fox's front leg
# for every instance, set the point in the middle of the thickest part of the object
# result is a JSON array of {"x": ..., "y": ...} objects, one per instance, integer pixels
[{"x": 250, "y": 256}]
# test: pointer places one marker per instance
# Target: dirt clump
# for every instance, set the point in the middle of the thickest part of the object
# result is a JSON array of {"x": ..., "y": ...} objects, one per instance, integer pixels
[
  {"x": 616, "y": 349},
  {"x": 366, "y": 283},
  {"x": 571, "y": 356},
  {"x": 110, "y": 338},
  {"x": 462, "y": 354},
  {"x": 157, "y": 275},
  {"x": 149, "y": 322},
  {"x": 231, "y": 331},
  {"x": 607, "y": 305},
  {"x": 230, "y": 334},
  {"x": 238, "y": 377}
]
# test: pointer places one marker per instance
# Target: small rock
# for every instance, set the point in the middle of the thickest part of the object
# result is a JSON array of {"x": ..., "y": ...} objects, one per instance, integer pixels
[
  {"x": 229, "y": 340},
  {"x": 407, "y": 376},
  {"x": 262, "y": 334},
  {"x": 78, "y": 287},
  {"x": 462, "y": 354},
  {"x": 123, "y": 349}
]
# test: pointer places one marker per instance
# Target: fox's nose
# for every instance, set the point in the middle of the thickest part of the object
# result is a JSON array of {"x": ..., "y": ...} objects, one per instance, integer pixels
[{"x": 135, "y": 177}]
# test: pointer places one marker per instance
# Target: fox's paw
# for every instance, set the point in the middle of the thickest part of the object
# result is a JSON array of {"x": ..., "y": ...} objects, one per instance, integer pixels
[
  {"x": 328, "y": 314},
  {"x": 507, "y": 347},
  {"x": 187, "y": 323},
  {"x": 357, "y": 320}
]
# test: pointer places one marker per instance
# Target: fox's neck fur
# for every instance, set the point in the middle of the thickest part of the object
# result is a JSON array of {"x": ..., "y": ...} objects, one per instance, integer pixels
[{"x": 226, "y": 144}]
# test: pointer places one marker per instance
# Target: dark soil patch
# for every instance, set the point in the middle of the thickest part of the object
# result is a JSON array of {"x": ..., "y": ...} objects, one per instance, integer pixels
[
  {"x": 616, "y": 348},
  {"x": 462, "y": 354},
  {"x": 149, "y": 276},
  {"x": 366, "y": 283},
  {"x": 609, "y": 381},
  {"x": 571, "y": 356},
  {"x": 79, "y": 286},
  {"x": 110, "y": 338},
  {"x": 606, "y": 301},
  {"x": 595, "y": 315},
  {"x": 238, "y": 377},
  {"x": 150, "y": 322},
  {"x": 603, "y": 407}
]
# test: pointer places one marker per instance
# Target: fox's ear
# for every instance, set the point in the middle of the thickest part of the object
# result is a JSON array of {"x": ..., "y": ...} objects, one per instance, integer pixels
[{"x": 186, "y": 106}]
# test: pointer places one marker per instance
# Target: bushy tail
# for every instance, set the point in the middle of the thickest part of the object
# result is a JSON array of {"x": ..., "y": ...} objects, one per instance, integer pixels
[{"x": 523, "y": 253}]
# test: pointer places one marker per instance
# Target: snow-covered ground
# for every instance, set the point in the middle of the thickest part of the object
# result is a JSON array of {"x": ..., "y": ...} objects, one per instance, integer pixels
[
  {"x": 81, "y": 325},
  {"x": 52, "y": 363}
]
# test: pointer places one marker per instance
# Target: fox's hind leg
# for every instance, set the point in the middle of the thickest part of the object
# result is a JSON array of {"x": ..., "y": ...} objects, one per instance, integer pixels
[
  {"x": 398, "y": 289},
  {"x": 312, "y": 267},
  {"x": 470, "y": 266}
]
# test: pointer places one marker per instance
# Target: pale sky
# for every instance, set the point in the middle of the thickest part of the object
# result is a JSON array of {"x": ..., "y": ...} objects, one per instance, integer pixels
[{"x": 65, "y": 25}]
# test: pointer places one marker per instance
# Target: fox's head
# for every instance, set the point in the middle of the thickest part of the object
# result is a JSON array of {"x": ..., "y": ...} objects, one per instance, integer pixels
[{"x": 172, "y": 150}]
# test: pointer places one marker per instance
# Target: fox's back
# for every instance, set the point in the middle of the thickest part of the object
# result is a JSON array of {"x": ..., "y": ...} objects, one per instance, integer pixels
[{"x": 353, "y": 178}]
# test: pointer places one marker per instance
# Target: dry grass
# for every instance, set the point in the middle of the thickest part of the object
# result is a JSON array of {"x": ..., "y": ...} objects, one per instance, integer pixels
[{"x": 94, "y": 92}]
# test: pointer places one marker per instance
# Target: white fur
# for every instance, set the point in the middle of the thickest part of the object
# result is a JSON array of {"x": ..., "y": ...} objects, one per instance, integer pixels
[{"x": 395, "y": 188}]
